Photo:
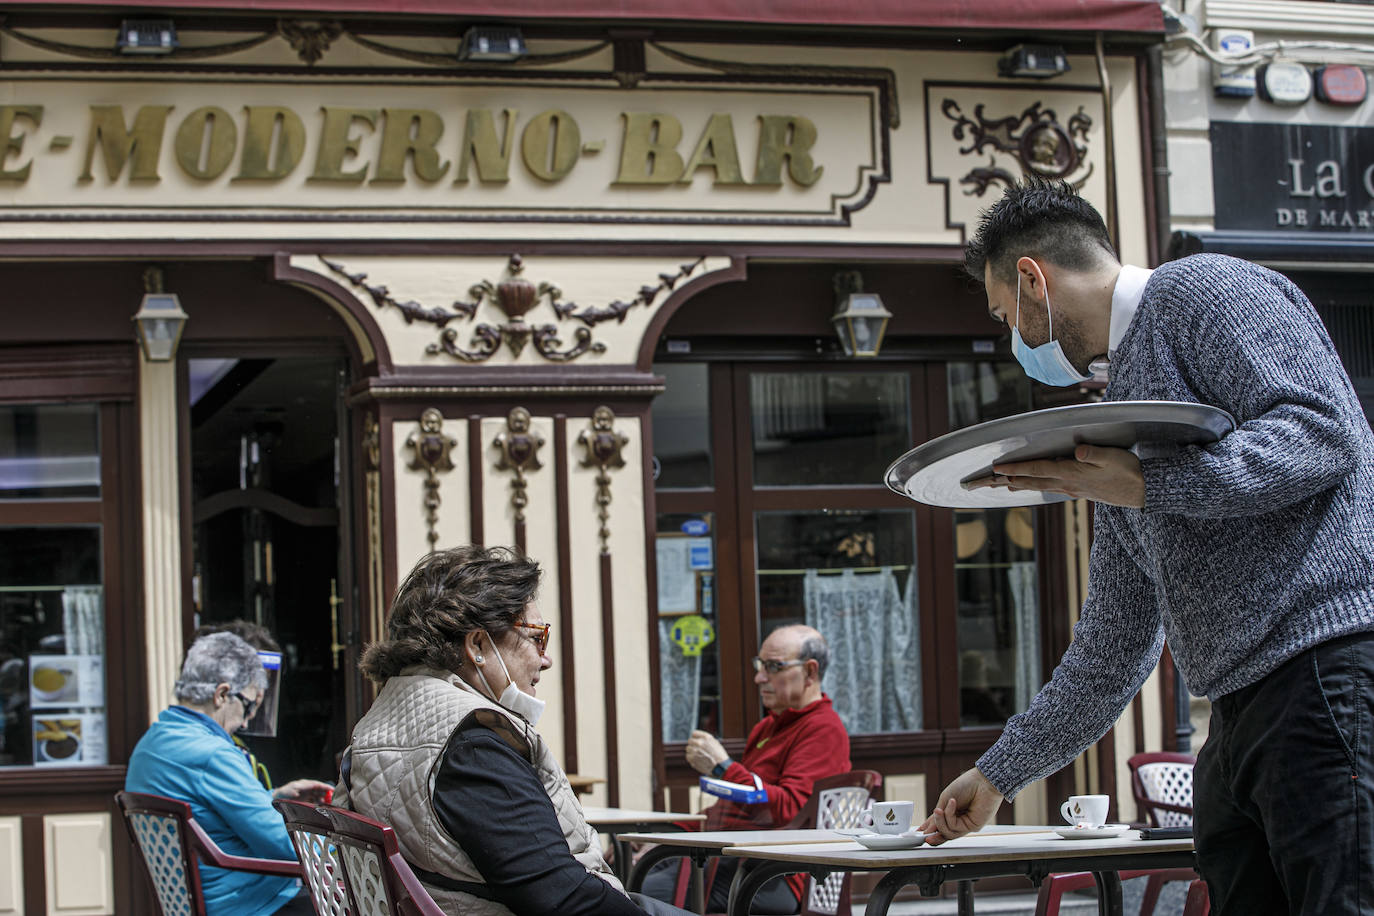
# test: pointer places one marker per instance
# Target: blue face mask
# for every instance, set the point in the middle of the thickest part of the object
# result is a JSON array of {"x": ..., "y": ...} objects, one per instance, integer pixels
[{"x": 1047, "y": 362}]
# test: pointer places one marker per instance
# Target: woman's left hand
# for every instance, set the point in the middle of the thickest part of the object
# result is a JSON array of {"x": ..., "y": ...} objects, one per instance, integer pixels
[{"x": 305, "y": 790}]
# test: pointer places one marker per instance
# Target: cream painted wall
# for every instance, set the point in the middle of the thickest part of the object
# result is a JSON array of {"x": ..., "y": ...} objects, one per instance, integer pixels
[
  {"x": 78, "y": 864},
  {"x": 412, "y": 527},
  {"x": 11, "y": 867}
]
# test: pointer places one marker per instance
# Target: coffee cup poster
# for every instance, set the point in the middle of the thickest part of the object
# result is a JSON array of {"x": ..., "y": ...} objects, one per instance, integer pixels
[
  {"x": 69, "y": 740},
  {"x": 66, "y": 681}
]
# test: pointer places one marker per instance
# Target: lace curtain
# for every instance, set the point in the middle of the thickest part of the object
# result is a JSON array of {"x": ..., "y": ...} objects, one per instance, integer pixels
[
  {"x": 874, "y": 637},
  {"x": 83, "y": 620},
  {"x": 681, "y": 685},
  {"x": 1021, "y": 584}
]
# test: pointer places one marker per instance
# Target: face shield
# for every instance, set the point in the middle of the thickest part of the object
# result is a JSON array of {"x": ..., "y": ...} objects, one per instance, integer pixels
[{"x": 264, "y": 721}]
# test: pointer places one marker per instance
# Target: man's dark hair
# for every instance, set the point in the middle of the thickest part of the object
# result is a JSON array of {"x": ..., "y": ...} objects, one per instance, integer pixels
[
  {"x": 1041, "y": 219},
  {"x": 449, "y": 594}
]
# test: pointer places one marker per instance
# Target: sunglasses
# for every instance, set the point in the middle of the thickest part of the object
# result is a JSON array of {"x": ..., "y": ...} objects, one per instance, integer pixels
[
  {"x": 249, "y": 706},
  {"x": 773, "y": 666},
  {"x": 542, "y": 638}
]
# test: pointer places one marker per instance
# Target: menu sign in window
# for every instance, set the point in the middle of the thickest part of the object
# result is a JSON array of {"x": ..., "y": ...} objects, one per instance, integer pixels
[{"x": 1293, "y": 177}]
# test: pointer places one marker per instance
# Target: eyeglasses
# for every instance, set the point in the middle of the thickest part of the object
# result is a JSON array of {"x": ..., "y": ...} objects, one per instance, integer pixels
[
  {"x": 773, "y": 666},
  {"x": 249, "y": 706},
  {"x": 541, "y": 640}
]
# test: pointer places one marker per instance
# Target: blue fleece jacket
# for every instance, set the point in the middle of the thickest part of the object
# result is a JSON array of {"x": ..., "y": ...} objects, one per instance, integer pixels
[
  {"x": 1249, "y": 550},
  {"x": 187, "y": 756}
]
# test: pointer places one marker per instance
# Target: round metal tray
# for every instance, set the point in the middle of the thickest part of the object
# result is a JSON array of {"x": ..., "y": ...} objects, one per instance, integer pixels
[{"x": 935, "y": 473}]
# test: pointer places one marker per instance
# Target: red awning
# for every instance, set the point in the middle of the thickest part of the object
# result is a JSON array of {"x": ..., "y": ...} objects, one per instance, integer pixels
[{"x": 1025, "y": 15}]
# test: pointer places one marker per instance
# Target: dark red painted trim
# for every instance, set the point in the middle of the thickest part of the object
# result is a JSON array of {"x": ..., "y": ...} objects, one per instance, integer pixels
[
  {"x": 738, "y": 270},
  {"x": 567, "y": 656},
  {"x": 283, "y": 272},
  {"x": 1037, "y": 15}
]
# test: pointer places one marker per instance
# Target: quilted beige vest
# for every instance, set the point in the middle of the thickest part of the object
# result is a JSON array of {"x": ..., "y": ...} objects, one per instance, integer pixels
[{"x": 395, "y": 759}]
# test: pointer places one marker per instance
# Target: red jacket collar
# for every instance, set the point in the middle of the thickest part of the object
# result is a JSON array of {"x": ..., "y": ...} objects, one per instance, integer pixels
[{"x": 788, "y": 716}]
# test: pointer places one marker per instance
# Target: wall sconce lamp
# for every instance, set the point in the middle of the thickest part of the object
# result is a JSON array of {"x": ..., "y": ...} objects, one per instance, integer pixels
[
  {"x": 860, "y": 319},
  {"x": 1033, "y": 61},
  {"x": 498, "y": 43},
  {"x": 159, "y": 319},
  {"x": 146, "y": 36}
]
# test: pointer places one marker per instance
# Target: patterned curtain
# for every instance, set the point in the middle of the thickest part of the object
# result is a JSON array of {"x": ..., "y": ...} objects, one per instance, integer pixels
[
  {"x": 83, "y": 620},
  {"x": 874, "y": 673},
  {"x": 680, "y": 685}
]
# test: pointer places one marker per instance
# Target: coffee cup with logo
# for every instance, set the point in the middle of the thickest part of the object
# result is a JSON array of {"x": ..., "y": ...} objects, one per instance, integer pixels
[
  {"x": 890, "y": 817},
  {"x": 1085, "y": 810}
]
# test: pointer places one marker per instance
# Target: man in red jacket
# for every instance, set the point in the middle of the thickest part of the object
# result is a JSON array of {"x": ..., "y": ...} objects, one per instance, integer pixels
[{"x": 799, "y": 741}]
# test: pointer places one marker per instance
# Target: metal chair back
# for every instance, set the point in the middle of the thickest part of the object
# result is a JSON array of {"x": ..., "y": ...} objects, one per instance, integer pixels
[
  {"x": 378, "y": 879},
  {"x": 309, "y": 830},
  {"x": 171, "y": 846},
  {"x": 1162, "y": 783}
]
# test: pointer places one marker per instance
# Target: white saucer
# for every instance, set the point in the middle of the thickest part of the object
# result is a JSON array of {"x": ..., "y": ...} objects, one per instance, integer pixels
[
  {"x": 1106, "y": 831},
  {"x": 891, "y": 840}
]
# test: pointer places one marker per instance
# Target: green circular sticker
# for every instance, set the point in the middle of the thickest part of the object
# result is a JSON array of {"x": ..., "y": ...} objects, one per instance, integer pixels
[{"x": 693, "y": 633}]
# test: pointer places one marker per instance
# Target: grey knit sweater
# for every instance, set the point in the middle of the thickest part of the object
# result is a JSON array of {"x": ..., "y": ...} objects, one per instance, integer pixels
[{"x": 1248, "y": 550}]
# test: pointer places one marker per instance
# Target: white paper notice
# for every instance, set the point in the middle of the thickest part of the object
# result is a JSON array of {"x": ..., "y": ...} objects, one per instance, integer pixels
[
  {"x": 677, "y": 584},
  {"x": 69, "y": 740},
  {"x": 66, "y": 681}
]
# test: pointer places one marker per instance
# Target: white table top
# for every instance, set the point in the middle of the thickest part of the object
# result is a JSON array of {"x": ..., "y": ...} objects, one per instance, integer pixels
[
  {"x": 720, "y": 839},
  {"x": 995, "y": 846},
  {"x": 599, "y": 817}
]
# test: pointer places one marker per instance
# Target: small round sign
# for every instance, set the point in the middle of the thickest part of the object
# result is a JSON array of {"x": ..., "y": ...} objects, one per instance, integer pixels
[
  {"x": 1285, "y": 83},
  {"x": 1341, "y": 84}
]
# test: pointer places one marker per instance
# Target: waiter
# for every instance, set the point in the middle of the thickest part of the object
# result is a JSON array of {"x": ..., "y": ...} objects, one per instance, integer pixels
[{"x": 1253, "y": 555}]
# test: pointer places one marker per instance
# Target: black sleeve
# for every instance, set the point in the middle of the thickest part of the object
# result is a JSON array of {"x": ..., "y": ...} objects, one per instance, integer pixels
[{"x": 493, "y": 805}]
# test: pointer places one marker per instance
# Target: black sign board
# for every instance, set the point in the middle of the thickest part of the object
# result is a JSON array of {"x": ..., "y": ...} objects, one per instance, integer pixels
[{"x": 1293, "y": 177}]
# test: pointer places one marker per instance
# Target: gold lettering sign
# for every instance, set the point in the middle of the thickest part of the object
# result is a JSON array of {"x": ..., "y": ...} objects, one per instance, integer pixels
[{"x": 15, "y": 145}]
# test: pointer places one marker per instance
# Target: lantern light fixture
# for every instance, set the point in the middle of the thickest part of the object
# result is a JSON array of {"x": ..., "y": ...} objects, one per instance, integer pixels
[
  {"x": 492, "y": 43},
  {"x": 860, "y": 319},
  {"x": 146, "y": 36},
  {"x": 159, "y": 320}
]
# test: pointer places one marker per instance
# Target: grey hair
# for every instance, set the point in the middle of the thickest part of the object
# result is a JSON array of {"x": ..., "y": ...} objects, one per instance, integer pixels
[
  {"x": 814, "y": 647},
  {"x": 219, "y": 658}
]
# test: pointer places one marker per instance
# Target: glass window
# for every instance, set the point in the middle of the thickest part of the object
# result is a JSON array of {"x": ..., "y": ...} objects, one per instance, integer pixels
[
  {"x": 984, "y": 391},
  {"x": 49, "y": 451},
  {"x": 52, "y": 647},
  {"x": 682, "y": 427},
  {"x": 851, "y": 575},
  {"x": 827, "y": 428},
  {"x": 998, "y": 613},
  {"x": 688, "y": 654}
]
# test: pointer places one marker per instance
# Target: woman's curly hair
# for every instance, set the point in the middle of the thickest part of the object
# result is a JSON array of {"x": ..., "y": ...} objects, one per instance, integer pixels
[{"x": 449, "y": 594}]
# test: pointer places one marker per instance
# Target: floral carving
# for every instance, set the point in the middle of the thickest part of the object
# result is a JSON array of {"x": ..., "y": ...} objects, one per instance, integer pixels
[
  {"x": 432, "y": 455},
  {"x": 519, "y": 446},
  {"x": 603, "y": 444},
  {"x": 1034, "y": 138}
]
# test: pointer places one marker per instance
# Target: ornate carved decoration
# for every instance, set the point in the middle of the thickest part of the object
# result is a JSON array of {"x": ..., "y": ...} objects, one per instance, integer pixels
[
  {"x": 309, "y": 39},
  {"x": 603, "y": 444},
  {"x": 515, "y": 295},
  {"x": 519, "y": 447},
  {"x": 372, "y": 442},
  {"x": 432, "y": 450},
  {"x": 1034, "y": 138}
]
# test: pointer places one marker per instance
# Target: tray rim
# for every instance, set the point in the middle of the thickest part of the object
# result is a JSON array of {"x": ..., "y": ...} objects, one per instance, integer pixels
[{"x": 1210, "y": 418}]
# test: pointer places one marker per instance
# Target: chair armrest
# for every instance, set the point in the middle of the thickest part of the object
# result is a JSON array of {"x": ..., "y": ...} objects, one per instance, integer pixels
[
  {"x": 420, "y": 902},
  {"x": 207, "y": 849}
]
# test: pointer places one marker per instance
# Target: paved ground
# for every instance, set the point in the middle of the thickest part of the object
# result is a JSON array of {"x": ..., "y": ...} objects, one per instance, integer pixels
[{"x": 1082, "y": 903}]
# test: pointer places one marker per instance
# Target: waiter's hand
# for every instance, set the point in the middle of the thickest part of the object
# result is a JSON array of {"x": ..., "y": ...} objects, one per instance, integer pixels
[
  {"x": 704, "y": 752},
  {"x": 1096, "y": 472},
  {"x": 965, "y": 805}
]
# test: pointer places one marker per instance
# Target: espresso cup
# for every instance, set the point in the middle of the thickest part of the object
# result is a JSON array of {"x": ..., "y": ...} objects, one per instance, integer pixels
[
  {"x": 890, "y": 817},
  {"x": 1085, "y": 810}
]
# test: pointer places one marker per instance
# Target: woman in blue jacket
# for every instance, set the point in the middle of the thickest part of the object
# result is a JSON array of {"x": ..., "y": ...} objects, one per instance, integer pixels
[{"x": 189, "y": 754}]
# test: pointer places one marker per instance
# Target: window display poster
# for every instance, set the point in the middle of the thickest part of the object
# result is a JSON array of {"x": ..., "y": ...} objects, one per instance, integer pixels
[
  {"x": 69, "y": 740},
  {"x": 677, "y": 583},
  {"x": 64, "y": 681}
]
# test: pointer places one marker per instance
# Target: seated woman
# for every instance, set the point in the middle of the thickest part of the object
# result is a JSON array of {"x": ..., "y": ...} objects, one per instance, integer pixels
[
  {"x": 448, "y": 755},
  {"x": 189, "y": 754}
]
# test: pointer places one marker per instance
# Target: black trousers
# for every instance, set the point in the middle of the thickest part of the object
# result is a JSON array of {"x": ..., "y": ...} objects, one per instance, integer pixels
[
  {"x": 774, "y": 899},
  {"x": 1283, "y": 792}
]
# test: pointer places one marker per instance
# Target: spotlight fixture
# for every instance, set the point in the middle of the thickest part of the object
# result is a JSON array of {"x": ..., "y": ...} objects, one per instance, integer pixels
[
  {"x": 146, "y": 36},
  {"x": 498, "y": 43},
  {"x": 1033, "y": 61}
]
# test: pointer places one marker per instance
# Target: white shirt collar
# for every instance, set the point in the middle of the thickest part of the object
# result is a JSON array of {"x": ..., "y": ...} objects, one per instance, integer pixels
[{"x": 1126, "y": 296}]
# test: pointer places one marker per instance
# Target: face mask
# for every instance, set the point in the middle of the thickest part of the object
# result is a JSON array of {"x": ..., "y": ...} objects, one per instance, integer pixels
[
  {"x": 513, "y": 698},
  {"x": 1047, "y": 362}
]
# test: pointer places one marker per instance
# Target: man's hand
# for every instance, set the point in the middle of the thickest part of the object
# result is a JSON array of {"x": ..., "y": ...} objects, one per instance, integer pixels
[
  {"x": 1102, "y": 474},
  {"x": 704, "y": 752},
  {"x": 965, "y": 805},
  {"x": 305, "y": 790}
]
